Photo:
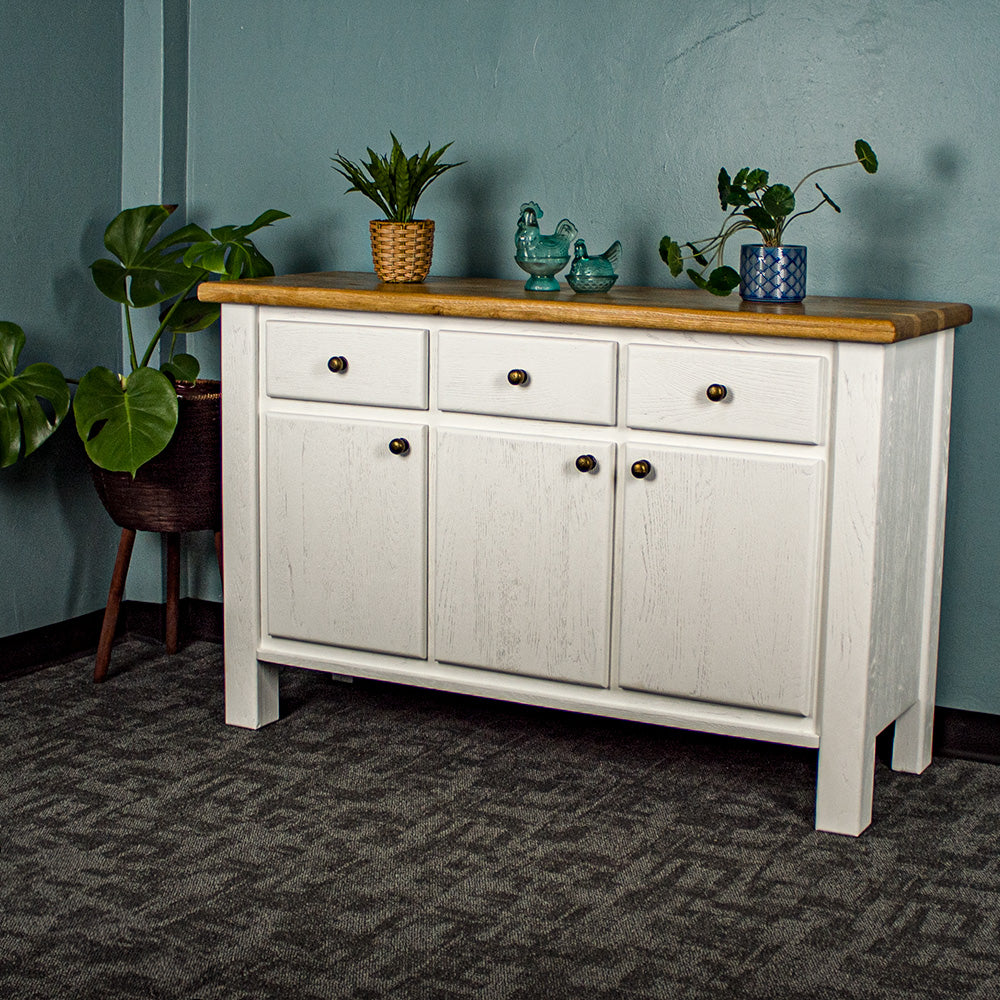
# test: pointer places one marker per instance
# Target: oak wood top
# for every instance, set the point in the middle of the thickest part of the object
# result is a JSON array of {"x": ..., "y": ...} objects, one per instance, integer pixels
[{"x": 880, "y": 321}]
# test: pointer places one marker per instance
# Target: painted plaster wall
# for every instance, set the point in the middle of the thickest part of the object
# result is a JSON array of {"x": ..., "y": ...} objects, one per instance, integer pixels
[
  {"x": 619, "y": 115},
  {"x": 60, "y": 173}
]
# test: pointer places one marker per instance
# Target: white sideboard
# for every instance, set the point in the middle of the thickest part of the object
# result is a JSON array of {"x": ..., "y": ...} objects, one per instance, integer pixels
[{"x": 650, "y": 505}]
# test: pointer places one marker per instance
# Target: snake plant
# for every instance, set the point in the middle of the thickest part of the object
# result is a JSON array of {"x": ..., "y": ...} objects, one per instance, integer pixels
[{"x": 394, "y": 182}]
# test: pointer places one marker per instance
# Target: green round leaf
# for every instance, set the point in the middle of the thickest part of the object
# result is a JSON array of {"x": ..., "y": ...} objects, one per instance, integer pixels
[
  {"x": 25, "y": 422},
  {"x": 723, "y": 280},
  {"x": 865, "y": 156},
  {"x": 124, "y": 426},
  {"x": 778, "y": 201}
]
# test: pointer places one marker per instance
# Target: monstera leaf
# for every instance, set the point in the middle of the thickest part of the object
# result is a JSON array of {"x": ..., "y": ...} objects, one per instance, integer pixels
[
  {"x": 144, "y": 275},
  {"x": 24, "y": 422},
  {"x": 123, "y": 423}
]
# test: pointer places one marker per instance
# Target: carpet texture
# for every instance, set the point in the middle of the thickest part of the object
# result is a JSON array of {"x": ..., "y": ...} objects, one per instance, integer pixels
[{"x": 381, "y": 841}]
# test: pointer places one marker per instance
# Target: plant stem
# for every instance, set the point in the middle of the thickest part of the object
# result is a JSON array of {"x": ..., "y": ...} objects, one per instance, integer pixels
[
  {"x": 166, "y": 320},
  {"x": 131, "y": 340},
  {"x": 819, "y": 170}
]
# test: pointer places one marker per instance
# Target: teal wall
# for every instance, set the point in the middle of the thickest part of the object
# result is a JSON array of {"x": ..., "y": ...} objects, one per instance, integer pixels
[
  {"x": 617, "y": 115},
  {"x": 60, "y": 175}
]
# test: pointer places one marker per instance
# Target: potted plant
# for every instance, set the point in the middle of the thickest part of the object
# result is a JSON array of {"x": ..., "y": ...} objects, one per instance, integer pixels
[
  {"x": 770, "y": 271},
  {"x": 154, "y": 435},
  {"x": 401, "y": 245},
  {"x": 127, "y": 420}
]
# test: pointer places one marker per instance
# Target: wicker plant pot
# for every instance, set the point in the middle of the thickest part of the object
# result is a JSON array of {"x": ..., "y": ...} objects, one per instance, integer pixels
[
  {"x": 181, "y": 488},
  {"x": 401, "y": 251}
]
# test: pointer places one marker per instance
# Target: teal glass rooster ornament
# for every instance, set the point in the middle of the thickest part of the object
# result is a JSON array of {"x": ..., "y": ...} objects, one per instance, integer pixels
[
  {"x": 542, "y": 257},
  {"x": 593, "y": 274}
]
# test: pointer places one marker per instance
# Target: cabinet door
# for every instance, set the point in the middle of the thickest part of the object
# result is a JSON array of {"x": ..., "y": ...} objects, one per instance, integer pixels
[
  {"x": 345, "y": 533},
  {"x": 523, "y": 555},
  {"x": 721, "y": 577}
]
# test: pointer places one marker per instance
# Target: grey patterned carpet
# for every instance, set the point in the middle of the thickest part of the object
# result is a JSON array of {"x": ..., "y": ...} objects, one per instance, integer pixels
[{"x": 382, "y": 842}]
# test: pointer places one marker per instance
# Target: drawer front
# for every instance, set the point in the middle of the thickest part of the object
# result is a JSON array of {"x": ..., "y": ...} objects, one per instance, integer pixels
[
  {"x": 378, "y": 366},
  {"x": 743, "y": 394},
  {"x": 565, "y": 379}
]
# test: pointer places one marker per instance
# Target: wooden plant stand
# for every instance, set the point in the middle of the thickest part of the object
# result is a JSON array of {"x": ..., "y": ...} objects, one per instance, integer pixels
[{"x": 124, "y": 557}]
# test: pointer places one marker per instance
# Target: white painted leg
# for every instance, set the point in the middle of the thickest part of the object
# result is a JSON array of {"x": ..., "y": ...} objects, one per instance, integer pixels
[
  {"x": 251, "y": 692},
  {"x": 913, "y": 738},
  {"x": 844, "y": 785},
  {"x": 251, "y": 686}
]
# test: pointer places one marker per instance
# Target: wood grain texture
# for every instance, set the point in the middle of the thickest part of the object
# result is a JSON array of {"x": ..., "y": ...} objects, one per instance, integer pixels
[
  {"x": 346, "y": 533},
  {"x": 251, "y": 686},
  {"x": 572, "y": 380},
  {"x": 721, "y": 577},
  {"x": 769, "y": 397},
  {"x": 386, "y": 366},
  {"x": 524, "y": 555},
  {"x": 880, "y": 321}
]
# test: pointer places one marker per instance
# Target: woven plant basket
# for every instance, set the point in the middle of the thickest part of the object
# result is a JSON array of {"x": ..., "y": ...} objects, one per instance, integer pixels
[
  {"x": 401, "y": 251},
  {"x": 181, "y": 488}
]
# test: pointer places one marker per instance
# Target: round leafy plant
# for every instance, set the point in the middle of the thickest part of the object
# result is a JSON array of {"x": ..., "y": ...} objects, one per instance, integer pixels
[{"x": 755, "y": 204}]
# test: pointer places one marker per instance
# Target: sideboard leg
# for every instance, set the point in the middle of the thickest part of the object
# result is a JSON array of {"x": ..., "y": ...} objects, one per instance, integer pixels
[
  {"x": 844, "y": 786},
  {"x": 913, "y": 738}
]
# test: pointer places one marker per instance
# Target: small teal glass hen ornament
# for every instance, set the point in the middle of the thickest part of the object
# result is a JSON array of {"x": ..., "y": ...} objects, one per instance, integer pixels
[
  {"x": 593, "y": 274},
  {"x": 542, "y": 257}
]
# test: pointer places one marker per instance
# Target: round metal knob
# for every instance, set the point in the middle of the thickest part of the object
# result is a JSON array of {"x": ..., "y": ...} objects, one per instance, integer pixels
[
  {"x": 641, "y": 469},
  {"x": 586, "y": 463},
  {"x": 399, "y": 446},
  {"x": 716, "y": 393},
  {"x": 337, "y": 364},
  {"x": 517, "y": 376}
]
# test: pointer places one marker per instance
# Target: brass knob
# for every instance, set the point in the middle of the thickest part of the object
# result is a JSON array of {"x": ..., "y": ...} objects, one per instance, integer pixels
[
  {"x": 716, "y": 393},
  {"x": 337, "y": 364},
  {"x": 586, "y": 463},
  {"x": 399, "y": 446},
  {"x": 641, "y": 469},
  {"x": 517, "y": 376}
]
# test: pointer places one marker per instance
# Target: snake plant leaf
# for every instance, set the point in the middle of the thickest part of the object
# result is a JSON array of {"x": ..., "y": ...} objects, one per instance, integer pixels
[
  {"x": 778, "y": 201},
  {"x": 25, "y": 423},
  {"x": 125, "y": 423},
  {"x": 865, "y": 156}
]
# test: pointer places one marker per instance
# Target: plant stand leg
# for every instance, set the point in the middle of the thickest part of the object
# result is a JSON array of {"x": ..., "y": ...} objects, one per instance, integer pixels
[
  {"x": 125, "y": 545},
  {"x": 173, "y": 539}
]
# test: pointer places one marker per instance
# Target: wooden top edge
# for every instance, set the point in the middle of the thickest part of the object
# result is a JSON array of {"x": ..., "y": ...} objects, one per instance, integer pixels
[{"x": 817, "y": 317}]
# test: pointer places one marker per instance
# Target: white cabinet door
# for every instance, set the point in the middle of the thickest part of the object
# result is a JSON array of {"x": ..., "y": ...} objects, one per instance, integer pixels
[
  {"x": 523, "y": 555},
  {"x": 345, "y": 533},
  {"x": 721, "y": 577}
]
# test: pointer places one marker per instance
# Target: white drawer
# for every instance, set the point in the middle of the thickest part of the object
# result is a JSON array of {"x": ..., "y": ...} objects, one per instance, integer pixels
[
  {"x": 770, "y": 397},
  {"x": 379, "y": 366},
  {"x": 566, "y": 379}
]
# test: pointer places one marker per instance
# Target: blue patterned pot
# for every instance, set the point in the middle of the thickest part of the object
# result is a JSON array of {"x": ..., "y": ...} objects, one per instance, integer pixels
[{"x": 772, "y": 274}]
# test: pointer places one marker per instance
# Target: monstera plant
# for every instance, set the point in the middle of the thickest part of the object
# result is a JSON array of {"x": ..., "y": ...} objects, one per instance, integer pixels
[{"x": 126, "y": 419}]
